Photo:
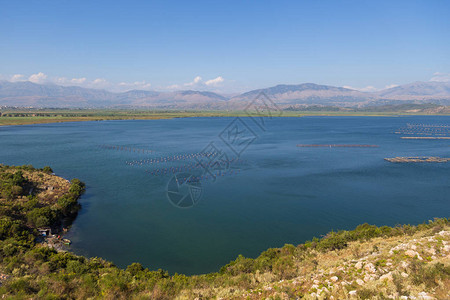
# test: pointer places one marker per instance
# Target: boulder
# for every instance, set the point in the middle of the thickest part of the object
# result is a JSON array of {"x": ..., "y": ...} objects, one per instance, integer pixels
[{"x": 370, "y": 268}]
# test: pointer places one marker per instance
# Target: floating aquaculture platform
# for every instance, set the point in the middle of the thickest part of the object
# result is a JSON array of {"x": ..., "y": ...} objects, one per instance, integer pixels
[
  {"x": 425, "y": 137},
  {"x": 174, "y": 158},
  {"x": 425, "y": 129},
  {"x": 338, "y": 145},
  {"x": 210, "y": 165},
  {"x": 127, "y": 149},
  {"x": 418, "y": 159}
]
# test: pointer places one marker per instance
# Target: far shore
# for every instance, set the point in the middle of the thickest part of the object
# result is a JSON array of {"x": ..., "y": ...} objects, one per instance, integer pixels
[{"x": 28, "y": 117}]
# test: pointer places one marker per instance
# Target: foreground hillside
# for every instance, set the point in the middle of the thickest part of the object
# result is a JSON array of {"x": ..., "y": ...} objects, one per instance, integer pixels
[{"x": 403, "y": 262}]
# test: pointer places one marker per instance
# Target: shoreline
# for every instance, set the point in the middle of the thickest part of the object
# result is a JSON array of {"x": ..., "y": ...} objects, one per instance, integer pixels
[
  {"x": 20, "y": 121},
  {"x": 367, "y": 260}
]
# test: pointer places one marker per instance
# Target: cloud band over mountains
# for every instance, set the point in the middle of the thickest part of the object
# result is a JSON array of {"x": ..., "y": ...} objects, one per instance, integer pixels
[{"x": 101, "y": 83}]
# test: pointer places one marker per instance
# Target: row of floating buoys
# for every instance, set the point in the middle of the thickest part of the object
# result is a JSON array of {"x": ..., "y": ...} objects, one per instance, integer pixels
[
  {"x": 189, "y": 167},
  {"x": 195, "y": 179},
  {"x": 418, "y": 159},
  {"x": 171, "y": 158},
  {"x": 428, "y": 125},
  {"x": 422, "y": 133},
  {"x": 338, "y": 145},
  {"x": 425, "y": 129},
  {"x": 127, "y": 149}
]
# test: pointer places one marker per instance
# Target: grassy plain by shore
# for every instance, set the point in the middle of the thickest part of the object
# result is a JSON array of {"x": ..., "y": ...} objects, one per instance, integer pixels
[{"x": 40, "y": 116}]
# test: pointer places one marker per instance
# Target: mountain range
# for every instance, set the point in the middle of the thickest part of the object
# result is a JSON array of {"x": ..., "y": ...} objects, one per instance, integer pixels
[{"x": 28, "y": 94}]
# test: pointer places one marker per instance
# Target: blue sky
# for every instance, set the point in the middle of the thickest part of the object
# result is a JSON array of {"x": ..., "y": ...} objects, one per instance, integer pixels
[{"x": 225, "y": 46}]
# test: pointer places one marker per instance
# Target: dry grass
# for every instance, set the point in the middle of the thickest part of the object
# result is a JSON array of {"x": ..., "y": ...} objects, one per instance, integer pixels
[
  {"x": 47, "y": 188},
  {"x": 376, "y": 269}
]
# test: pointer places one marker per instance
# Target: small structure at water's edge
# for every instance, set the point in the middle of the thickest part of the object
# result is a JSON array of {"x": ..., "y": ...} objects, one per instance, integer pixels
[
  {"x": 418, "y": 159},
  {"x": 45, "y": 231}
]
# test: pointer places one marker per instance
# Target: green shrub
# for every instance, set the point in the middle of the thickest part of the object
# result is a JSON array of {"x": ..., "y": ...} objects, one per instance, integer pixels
[
  {"x": 366, "y": 293},
  {"x": 333, "y": 241},
  {"x": 77, "y": 267},
  {"x": 11, "y": 228},
  {"x": 18, "y": 178},
  {"x": 68, "y": 204},
  {"x": 47, "y": 170},
  {"x": 9, "y": 249},
  {"x": 16, "y": 190},
  {"x": 77, "y": 187},
  {"x": 21, "y": 285},
  {"x": 428, "y": 275},
  {"x": 41, "y": 217},
  {"x": 135, "y": 268}
]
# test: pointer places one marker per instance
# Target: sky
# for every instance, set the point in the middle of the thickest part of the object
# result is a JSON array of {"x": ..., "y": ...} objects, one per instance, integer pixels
[{"x": 224, "y": 46}]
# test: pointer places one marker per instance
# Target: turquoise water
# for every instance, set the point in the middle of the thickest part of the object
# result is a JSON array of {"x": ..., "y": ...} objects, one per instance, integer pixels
[{"x": 282, "y": 193}]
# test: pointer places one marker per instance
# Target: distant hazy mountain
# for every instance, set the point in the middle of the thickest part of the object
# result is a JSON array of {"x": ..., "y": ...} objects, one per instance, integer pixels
[
  {"x": 31, "y": 94},
  {"x": 418, "y": 91},
  {"x": 306, "y": 93},
  {"x": 178, "y": 99},
  {"x": 37, "y": 95},
  {"x": 28, "y": 94}
]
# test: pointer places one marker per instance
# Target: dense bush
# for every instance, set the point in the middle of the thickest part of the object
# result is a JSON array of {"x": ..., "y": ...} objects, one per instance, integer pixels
[
  {"x": 12, "y": 184},
  {"x": 68, "y": 204},
  {"x": 42, "y": 217},
  {"x": 47, "y": 170},
  {"x": 11, "y": 228},
  {"x": 77, "y": 188}
]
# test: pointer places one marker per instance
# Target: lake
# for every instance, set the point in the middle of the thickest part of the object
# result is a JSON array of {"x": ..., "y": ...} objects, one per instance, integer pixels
[{"x": 270, "y": 192}]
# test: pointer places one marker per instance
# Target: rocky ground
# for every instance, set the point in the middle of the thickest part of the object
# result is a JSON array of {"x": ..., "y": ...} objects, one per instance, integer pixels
[
  {"x": 366, "y": 270},
  {"x": 404, "y": 267}
]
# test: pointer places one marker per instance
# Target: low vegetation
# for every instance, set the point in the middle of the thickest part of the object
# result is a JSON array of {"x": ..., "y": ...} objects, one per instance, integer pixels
[
  {"x": 369, "y": 262},
  {"x": 22, "y": 116}
]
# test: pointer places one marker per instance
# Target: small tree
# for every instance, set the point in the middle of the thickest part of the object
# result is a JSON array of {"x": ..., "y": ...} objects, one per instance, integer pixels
[
  {"x": 77, "y": 187},
  {"x": 18, "y": 178},
  {"x": 47, "y": 170}
]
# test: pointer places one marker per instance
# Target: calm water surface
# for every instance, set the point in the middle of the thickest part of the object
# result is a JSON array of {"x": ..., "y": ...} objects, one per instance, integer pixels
[{"x": 282, "y": 194}]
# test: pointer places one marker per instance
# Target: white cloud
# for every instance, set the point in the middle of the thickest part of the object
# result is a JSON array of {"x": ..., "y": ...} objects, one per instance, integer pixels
[
  {"x": 199, "y": 83},
  {"x": 78, "y": 80},
  {"x": 17, "y": 77},
  {"x": 390, "y": 86},
  {"x": 137, "y": 85},
  {"x": 370, "y": 88},
  {"x": 73, "y": 81},
  {"x": 197, "y": 79},
  {"x": 441, "y": 77},
  {"x": 38, "y": 78},
  {"x": 173, "y": 87},
  {"x": 215, "y": 81},
  {"x": 99, "y": 83}
]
